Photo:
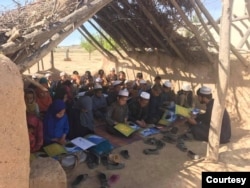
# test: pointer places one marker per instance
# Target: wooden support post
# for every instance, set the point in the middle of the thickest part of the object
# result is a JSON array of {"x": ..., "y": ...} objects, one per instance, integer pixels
[
  {"x": 52, "y": 59},
  {"x": 38, "y": 66},
  {"x": 222, "y": 83},
  {"x": 42, "y": 64},
  {"x": 244, "y": 39}
]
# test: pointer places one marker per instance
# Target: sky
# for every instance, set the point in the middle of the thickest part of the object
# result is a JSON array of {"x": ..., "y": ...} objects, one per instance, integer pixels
[{"x": 213, "y": 6}]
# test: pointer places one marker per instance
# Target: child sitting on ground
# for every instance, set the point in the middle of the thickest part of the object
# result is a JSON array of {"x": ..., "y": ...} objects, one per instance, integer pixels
[{"x": 117, "y": 112}]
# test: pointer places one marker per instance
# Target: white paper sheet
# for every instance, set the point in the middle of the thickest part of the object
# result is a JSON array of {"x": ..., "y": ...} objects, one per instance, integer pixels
[{"x": 82, "y": 143}]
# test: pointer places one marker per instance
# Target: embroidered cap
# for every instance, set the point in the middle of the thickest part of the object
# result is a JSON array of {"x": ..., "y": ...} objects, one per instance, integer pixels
[
  {"x": 145, "y": 95},
  {"x": 123, "y": 92},
  {"x": 167, "y": 84},
  {"x": 205, "y": 90}
]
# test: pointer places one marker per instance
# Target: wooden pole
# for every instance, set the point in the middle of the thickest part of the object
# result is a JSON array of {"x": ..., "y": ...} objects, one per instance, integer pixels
[
  {"x": 101, "y": 33},
  {"x": 222, "y": 83},
  {"x": 52, "y": 59},
  {"x": 216, "y": 28},
  {"x": 38, "y": 66},
  {"x": 42, "y": 64},
  {"x": 96, "y": 42}
]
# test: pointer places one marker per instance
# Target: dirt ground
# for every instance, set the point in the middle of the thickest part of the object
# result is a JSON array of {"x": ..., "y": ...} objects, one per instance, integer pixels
[{"x": 172, "y": 167}]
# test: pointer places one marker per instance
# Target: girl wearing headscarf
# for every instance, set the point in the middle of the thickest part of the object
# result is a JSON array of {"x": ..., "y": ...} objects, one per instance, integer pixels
[{"x": 56, "y": 125}]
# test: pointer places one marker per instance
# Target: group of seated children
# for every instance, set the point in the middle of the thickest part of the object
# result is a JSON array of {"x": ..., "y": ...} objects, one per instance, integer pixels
[{"x": 67, "y": 108}]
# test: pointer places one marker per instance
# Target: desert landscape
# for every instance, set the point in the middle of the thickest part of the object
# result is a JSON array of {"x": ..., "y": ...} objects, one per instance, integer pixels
[{"x": 171, "y": 167}]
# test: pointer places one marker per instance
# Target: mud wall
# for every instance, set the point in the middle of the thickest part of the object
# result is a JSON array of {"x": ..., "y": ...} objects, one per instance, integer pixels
[
  {"x": 14, "y": 161},
  {"x": 203, "y": 73}
]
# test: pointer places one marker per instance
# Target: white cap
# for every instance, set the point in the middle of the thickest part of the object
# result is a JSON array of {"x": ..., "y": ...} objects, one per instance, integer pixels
[
  {"x": 116, "y": 82},
  {"x": 167, "y": 84},
  {"x": 145, "y": 95},
  {"x": 112, "y": 69},
  {"x": 123, "y": 92},
  {"x": 34, "y": 76},
  {"x": 205, "y": 90},
  {"x": 62, "y": 73},
  {"x": 186, "y": 87},
  {"x": 142, "y": 81},
  {"x": 97, "y": 86},
  {"x": 98, "y": 80},
  {"x": 47, "y": 75}
]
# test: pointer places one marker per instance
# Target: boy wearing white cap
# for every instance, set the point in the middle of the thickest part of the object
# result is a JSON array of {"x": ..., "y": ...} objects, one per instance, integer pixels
[
  {"x": 200, "y": 125},
  {"x": 138, "y": 110},
  {"x": 167, "y": 95},
  {"x": 185, "y": 96},
  {"x": 99, "y": 103},
  {"x": 117, "y": 112},
  {"x": 113, "y": 92}
]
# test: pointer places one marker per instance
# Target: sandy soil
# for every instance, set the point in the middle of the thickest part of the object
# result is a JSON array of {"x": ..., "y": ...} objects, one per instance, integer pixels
[{"x": 172, "y": 167}]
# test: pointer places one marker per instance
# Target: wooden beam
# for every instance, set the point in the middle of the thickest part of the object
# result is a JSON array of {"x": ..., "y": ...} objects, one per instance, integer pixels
[
  {"x": 222, "y": 83},
  {"x": 129, "y": 45},
  {"x": 216, "y": 28},
  {"x": 198, "y": 13},
  {"x": 155, "y": 23},
  {"x": 154, "y": 35},
  {"x": 134, "y": 29},
  {"x": 123, "y": 30},
  {"x": 193, "y": 29},
  {"x": 92, "y": 43},
  {"x": 112, "y": 32},
  {"x": 90, "y": 10},
  {"x": 96, "y": 42},
  {"x": 101, "y": 33},
  {"x": 244, "y": 39}
]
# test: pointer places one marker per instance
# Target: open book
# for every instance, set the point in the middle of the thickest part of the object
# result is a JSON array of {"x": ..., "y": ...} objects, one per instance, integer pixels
[{"x": 185, "y": 112}]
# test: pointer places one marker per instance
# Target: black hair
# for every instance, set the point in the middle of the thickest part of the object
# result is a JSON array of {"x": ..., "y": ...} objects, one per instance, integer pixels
[
  {"x": 158, "y": 78},
  {"x": 75, "y": 72},
  {"x": 139, "y": 75},
  {"x": 60, "y": 92}
]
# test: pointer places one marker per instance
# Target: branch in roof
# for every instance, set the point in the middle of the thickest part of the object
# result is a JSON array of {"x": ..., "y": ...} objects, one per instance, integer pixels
[
  {"x": 211, "y": 37},
  {"x": 150, "y": 16},
  {"x": 88, "y": 12},
  {"x": 97, "y": 43},
  {"x": 194, "y": 30},
  {"x": 101, "y": 33},
  {"x": 92, "y": 43}
]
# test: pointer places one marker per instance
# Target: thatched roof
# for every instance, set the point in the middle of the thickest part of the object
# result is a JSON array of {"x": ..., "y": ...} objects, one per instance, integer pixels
[{"x": 29, "y": 33}]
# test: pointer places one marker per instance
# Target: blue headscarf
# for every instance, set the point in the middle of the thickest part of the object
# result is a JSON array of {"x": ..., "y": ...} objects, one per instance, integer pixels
[
  {"x": 55, "y": 127},
  {"x": 57, "y": 106}
]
